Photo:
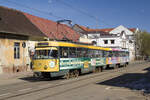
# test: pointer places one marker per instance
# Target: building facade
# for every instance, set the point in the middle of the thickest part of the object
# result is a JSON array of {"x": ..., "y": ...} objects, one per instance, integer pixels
[{"x": 119, "y": 37}]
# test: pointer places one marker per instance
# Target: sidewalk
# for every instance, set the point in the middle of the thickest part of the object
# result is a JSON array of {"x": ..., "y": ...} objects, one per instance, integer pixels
[{"x": 11, "y": 78}]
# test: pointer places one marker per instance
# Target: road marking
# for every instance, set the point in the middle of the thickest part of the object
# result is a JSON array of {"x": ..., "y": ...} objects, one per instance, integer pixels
[
  {"x": 108, "y": 88},
  {"x": 5, "y": 94},
  {"x": 3, "y": 89},
  {"x": 25, "y": 89}
]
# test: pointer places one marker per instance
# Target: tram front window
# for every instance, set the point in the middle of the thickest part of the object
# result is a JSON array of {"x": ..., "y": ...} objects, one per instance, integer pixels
[{"x": 45, "y": 54}]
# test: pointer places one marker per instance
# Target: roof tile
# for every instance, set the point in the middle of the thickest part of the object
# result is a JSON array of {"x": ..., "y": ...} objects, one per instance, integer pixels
[{"x": 52, "y": 29}]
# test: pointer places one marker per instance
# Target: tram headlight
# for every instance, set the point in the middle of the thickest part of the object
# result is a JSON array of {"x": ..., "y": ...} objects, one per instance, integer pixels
[
  {"x": 52, "y": 64},
  {"x": 45, "y": 67}
]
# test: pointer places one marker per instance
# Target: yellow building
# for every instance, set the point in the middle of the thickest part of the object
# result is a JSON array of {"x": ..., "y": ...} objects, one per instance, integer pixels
[
  {"x": 15, "y": 31},
  {"x": 13, "y": 53}
]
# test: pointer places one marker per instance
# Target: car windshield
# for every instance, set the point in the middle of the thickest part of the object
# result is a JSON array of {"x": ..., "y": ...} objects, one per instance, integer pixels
[{"x": 45, "y": 54}]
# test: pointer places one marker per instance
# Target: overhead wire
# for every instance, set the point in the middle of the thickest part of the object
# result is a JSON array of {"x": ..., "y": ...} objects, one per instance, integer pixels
[
  {"x": 58, "y": 17},
  {"x": 82, "y": 12},
  {"x": 34, "y": 9}
]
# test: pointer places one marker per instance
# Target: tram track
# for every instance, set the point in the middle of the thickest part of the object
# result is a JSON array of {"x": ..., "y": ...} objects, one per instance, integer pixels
[
  {"x": 36, "y": 81},
  {"x": 80, "y": 86},
  {"x": 82, "y": 78}
]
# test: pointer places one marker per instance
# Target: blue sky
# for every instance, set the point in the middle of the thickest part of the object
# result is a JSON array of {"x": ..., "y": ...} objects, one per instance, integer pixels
[{"x": 91, "y": 13}]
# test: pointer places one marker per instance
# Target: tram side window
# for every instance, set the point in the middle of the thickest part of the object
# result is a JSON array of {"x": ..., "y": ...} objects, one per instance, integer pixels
[
  {"x": 85, "y": 52},
  {"x": 124, "y": 54},
  {"x": 100, "y": 53},
  {"x": 63, "y": 52},
  {"x": 94, "y": 53},
  {"x": 97, "y": 53},
  {"x": 113, "y": 54},
  {"x": 82, "y": 52},
  {"x": 90, "y": 54},
  {"x": 106, "y": 53},
  {"x": 116, "y": 54},
  {"x": 121, "y": 54},
  {"x": 110, "y": 54},
  {"x": 103, "y": 53},
  {"x": 127, "y": 53},
  {"x": 79, "y": 52},
  {"x": 72, "y": 53}
]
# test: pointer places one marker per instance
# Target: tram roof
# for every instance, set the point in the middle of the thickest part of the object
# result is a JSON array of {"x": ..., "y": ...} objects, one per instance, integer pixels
[{"x": 68, "y": 44}]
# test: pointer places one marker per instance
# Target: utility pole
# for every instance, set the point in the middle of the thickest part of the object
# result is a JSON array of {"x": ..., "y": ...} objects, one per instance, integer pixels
[{"x": 96, "y": 29}]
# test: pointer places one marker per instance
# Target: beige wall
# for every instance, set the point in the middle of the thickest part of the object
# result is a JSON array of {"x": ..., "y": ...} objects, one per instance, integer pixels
[
  {"x": 7, "y": 61},
  {"x": 85, "y": 40}
]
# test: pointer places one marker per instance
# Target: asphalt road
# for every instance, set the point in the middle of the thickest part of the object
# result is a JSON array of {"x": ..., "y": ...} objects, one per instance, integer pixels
[{"x": 97, "y": 86}]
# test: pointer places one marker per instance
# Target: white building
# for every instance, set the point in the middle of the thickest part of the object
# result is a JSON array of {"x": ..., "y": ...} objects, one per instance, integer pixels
[
  {"x": 119, "y": 37},
  {"x": 129, "y": 39}
]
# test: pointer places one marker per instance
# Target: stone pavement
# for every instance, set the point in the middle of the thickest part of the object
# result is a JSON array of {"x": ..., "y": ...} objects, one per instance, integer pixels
[{"x": 11, "y": 78}]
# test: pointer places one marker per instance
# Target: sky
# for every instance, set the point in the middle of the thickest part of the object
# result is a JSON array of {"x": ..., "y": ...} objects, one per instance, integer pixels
[{"x": 90, "y": 13}]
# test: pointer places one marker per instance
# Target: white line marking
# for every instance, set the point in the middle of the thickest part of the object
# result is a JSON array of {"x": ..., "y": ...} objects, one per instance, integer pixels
[
  {"x": 3, "y": 89},
  {"x": 25, "y": 89},
  {"x": 108, "y": 88},
  {"x": 5, "y": 94}
]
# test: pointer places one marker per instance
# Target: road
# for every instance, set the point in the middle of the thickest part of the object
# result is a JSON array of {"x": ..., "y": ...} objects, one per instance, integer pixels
[{"x": 94, "y": 86}]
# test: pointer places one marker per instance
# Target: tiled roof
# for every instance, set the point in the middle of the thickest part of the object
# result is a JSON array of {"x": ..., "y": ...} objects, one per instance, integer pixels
[
  {"x": 95, "y": 30},
  {"x": 107, "y": 30},
  {"x": 18, "y": 22},
  {"x": 13, "y": 21},
  {"x": 52, "y": 29},
  {"x": 132, "y": 29}
]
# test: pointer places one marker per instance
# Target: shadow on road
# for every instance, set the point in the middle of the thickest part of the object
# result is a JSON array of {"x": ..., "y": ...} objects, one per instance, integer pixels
[
  {"x": 134, "y": 81},
  {"x": 37, "y": 79}
]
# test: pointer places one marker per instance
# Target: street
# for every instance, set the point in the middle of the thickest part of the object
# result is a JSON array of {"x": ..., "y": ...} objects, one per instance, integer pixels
[{"x": 114, "y": 84}]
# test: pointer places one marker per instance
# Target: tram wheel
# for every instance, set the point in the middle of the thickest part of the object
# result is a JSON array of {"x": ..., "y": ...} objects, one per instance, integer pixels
[
  {"x": 101, "y": 69},
  {"x": 124, "y": 65},
  {"x": 76, "y": 73},
  {"x": 67, "y": 75},
  {"x": 116, "y": 66},
  {"x": 72, "y": 74},
  {"x": 98, "y": 69}
]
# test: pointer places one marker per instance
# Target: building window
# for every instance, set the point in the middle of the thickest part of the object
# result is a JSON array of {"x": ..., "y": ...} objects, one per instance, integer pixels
[
  {"x": 105, "y": 41},
  {"x": 16, "y": 50},
  {"x": 112, "y": 41}
]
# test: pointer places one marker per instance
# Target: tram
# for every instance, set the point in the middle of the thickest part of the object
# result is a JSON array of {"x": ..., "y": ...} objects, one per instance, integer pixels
[{"x": 56, "y": 58}]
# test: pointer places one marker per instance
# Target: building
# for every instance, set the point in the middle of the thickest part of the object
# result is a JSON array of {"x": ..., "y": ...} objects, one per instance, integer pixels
[
  {"x": 19, "y": 32},
  {"x": 130, "y": 39},
  {"x": 119, "y": 37},
  {"x": 82, "y": 32},
  {"x": 15, "y": 31}
]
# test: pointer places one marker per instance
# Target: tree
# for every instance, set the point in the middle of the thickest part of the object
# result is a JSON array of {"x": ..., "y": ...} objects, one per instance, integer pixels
[{"x": 143, "y": 43}]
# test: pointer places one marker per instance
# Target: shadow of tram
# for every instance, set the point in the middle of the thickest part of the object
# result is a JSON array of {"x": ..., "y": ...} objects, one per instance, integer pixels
[{"x": 134, "y": 81}]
